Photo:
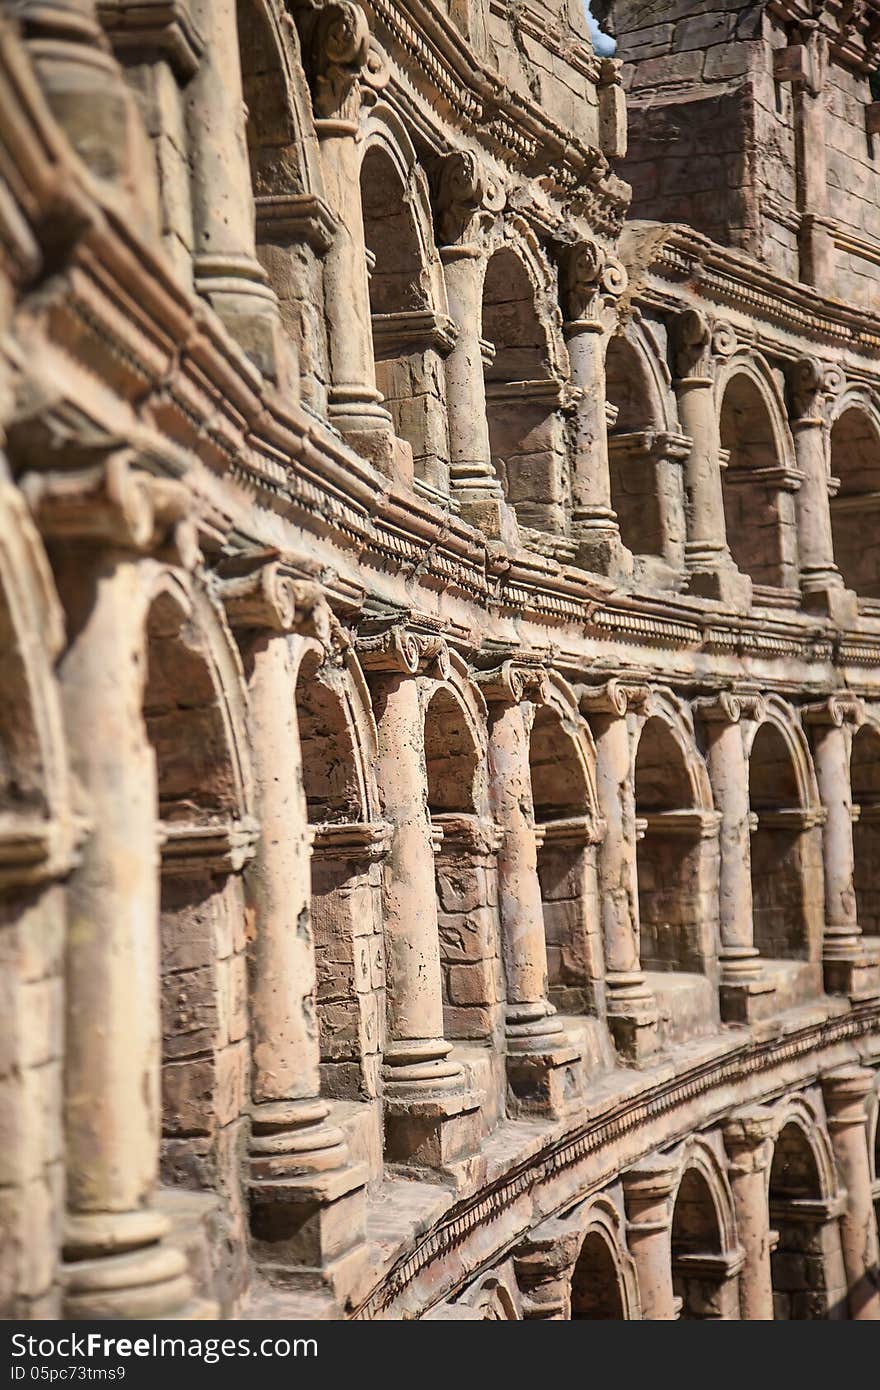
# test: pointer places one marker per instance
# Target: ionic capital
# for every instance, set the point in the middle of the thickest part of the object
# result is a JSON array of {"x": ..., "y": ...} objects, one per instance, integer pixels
[
  {"x": 647, "y": 1192},
  {"x": 698, "y": 342},
  {"x": 587, "y": 272},
  {"x": 748, "y": 1139},
  {"x": 616, "y": 697},
  {"x": 512, "y": 682},
  {"x": 341, "y": 57},
  {"x": 729, "y": 707},
  {"x": 839, "y": 709},
  {"x": 398, "y": 650},
  {"x": 115, "y": 502},
  {"x": 273, "y": 598},
  {"x": 845, "y": 1091},
  {"x": 464, "y": 188}
]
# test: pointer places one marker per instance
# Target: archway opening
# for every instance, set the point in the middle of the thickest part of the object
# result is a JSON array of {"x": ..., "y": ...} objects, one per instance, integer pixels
[
  {"x": 699, "y": 1265},
  {"x": 205, "y": 841},
  {"x": 674, "y": 912},
  {"x": 806, "y": 1262},
  {"x": 781, "y": 851},
  {"x": 408, "y": 337},
  {"x": 566, "y": 864},
  {"x": 596, "y": 1290},
  {"x": 855, "y": 461},
  {"x": 465, "y": 872},
  {"x": 522, "y": 397},
  {"x": 345, "y": 909},
  {"x": 646, "y": 480},
  {"x": 759, "y": 510},
  {"x": 865, "y": 779}
]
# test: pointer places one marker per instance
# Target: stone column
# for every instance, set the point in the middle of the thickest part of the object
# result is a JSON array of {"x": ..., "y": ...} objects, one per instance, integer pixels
[
  {"x": 712, "y": 572},
  {"x": 539, "y": 1055},
  {"x": 467, "y": 201},
  {"x": 544, "y": 1263},
  {"x": 845, "y": 1092},
  {"x": 340, "y": 66},
  {"x": 744, "y": 995},
  {"x": 306, "y": 1195},
  {"x": 117, "y": 1265},
  {"x": 226, "y": 270},
  {"x": 430, "y": 1116},
  {"x": 615, "y": 711},
  {"x": 820, "y": 580},
  {"x": 748, "y": 1138},
  {"x": 590, "y": 283},
  {"x": 647, "y": 1192},
  {"x": 830, "y": 724}
]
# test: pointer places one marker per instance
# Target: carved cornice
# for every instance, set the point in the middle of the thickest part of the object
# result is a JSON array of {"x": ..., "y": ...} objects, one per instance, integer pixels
[
  {"x": 141, "y": 30},
  {"x": 288, "y": 218}
]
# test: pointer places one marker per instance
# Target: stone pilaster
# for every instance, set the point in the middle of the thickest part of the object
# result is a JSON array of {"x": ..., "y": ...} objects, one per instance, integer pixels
[
  {"x": 711, "y": 571},
  {"x": 307, "y": 1197},
  {"x": 616, "y": 711},
  {"x": 341, "y": 66},
  {"x": 847, "y": 967},
  {"x": 845, "y": 1092},
  {"x": 748, "y": 1136},
  {"x": 821, "y": 583},
  {"x": 540, "y": 1058},
  {"x": 468, "y": 199},
  {"x": 647, "y": 1192},
  {"x": 743, "y": 994},
  {"x": 225, "y": 266},
  {"x": 117, "y": 1264},
  {"x": 430, "y": 1115},
  {"x": 590, "y": 284}
]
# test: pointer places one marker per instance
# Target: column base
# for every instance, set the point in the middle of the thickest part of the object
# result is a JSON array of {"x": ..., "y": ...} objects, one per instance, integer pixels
[
  {"x": 433, "y": 1132},
  {"x": 853, "y": 970},
  {"x": 720, "y": 581},
  {"x": 545, "y": 1083},
  {"x": 633, "y": 1016},
  {"x": 491, "y": 515},
  {"x": 599, "y": 548},
  {"x": 744, "y": 995},
  {"x": 237, "y": 289},
  {"x": 831, "y": 601},
  {"x": 310, "y": 1228},
  {"x": 116, "y": 1266}
]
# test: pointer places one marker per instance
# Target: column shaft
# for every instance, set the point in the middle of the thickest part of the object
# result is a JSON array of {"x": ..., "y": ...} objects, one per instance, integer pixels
[
  {"x": 648, "y": 1196},
  {"x": 747, "y": 1136},
  {"x": 593, "y": 520},
  {"x": 845, "y": 1092}
]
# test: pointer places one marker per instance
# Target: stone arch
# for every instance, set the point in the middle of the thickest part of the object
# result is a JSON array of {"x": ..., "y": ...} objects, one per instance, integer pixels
[
  {"x": 865, "y": 784},
  {"x": 562, "y": 760},
  {"x": 338, "y": 749},
  {"x": 645, "y": 452},
  {"x": 286, "y": 182},
  {"x": 195, "y": 714},
  {"x": 464, "y": 852},
  {"x": 854, "y": 445},
  {"x": 494, "y": 1297},
  {"x": 677, "y": 849},
  {"x": 411, "y": 329},
  {"x": 806, "y": 1263},
  {"x": 705, "y": 1255},
  {"x": 525, "y": 365},
  {"x": 760, "y": 478},
  {"x": 786, "y": 843},
  {"x": 603, "y": 1282},
  {"x": 37, "y": 840}
]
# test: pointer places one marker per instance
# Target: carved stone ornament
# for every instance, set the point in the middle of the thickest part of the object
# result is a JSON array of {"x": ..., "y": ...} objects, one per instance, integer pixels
[
  {"x": 464, "y": 188},
  {"x": 399, "y": 650},
  {"x": 340, "y": 49},
  {"x": 616, "y": 697},
  {"x": 728, "y": 707},
  {"x": 839, "y": 709},
  {"x": 805, "y": 385},
  {"x": 273, "y": 599},
  {"x": 512, "y": 682}
]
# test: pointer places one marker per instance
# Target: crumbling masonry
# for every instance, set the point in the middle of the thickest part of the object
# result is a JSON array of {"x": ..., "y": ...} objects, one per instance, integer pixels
[{"x": 439, "y": 659}]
